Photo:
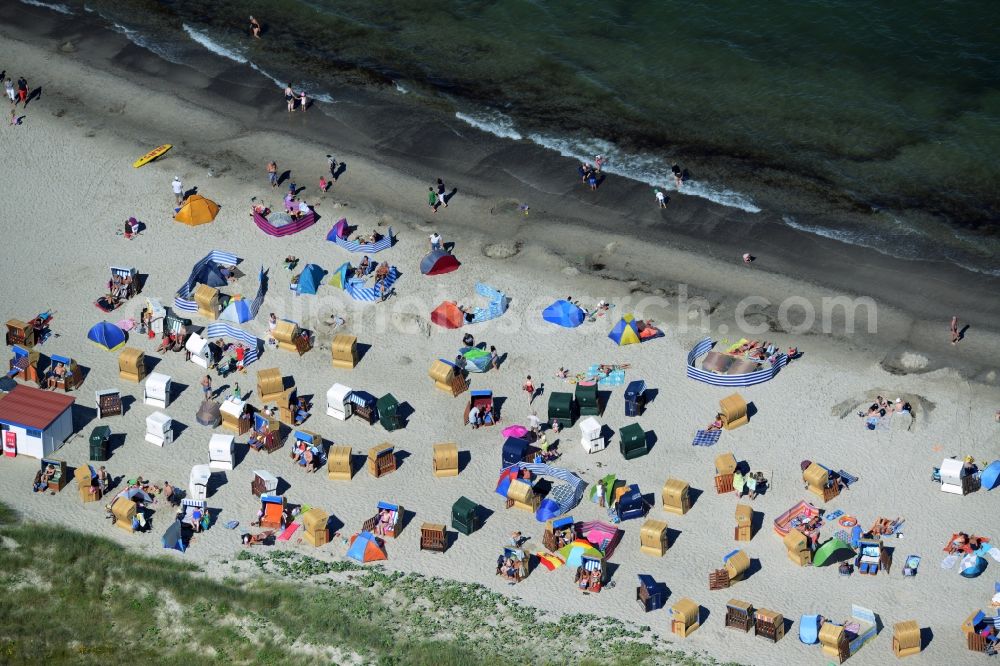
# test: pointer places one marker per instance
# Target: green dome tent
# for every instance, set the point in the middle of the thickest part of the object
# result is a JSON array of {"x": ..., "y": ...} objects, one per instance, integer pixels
[{"x": 829, "y": 551}]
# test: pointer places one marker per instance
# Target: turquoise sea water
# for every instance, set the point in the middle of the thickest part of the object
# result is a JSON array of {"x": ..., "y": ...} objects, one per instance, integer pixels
[{"x": 866, "y": 105}]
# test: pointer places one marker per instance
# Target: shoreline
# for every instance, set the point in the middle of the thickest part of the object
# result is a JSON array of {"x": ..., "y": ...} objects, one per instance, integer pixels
[{"x": 73, "y": 160}]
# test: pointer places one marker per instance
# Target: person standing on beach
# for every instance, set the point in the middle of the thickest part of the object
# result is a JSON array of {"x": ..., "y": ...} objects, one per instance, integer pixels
[
  {"x": 435, "y": 241},
  {"x": 206, "y": 387},
  {"x": 332, "y": 162},
  {"x": 272, "y": 173},
  {"x": 432, "y": 199},
  {"x": 289, "y": 97},
  {"x": 955, "y": 337},
  {"x": 254, "y": 28},
  {"x": 529, "y": 388},
  {"x": 660, "y": 198},
  {"x": 178, "y": 188},
  {"x": 22, "y": 91},
  {"x": 8, "y": 87},
  {"x": 440, "y": 193}
]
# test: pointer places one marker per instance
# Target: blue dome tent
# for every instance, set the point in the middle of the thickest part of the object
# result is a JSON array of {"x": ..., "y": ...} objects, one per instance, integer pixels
[
  {"x": 107, "y": 336},
  {"x": 563, "y": 313},
  {"x": 238, "y": 311},
  {"x": 310, "y": 279}
]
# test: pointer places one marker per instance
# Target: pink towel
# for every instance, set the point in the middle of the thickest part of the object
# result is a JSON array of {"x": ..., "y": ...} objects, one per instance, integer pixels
[{"x": 289, "y": 531}]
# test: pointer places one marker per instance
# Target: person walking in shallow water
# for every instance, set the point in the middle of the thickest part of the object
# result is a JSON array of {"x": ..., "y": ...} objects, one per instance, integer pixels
[
  {"x": 678, "y": 176},
  {"x": 254, "y": 28},
  {"x": 290, "y": 97}
]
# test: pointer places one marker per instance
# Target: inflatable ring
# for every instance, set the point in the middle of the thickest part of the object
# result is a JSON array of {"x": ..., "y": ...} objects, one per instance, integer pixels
[{"x": 848, "y": 521}]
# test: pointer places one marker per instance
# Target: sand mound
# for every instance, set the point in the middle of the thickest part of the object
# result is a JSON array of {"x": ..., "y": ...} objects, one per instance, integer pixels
[
  {"x": 906, "y": 362},
  {"x": 920, "y": 406},
  {"x": 502, "y": 250}
]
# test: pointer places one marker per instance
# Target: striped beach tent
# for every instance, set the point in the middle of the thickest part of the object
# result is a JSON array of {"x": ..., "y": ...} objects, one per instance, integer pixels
[{"x": 183, "y": 300}]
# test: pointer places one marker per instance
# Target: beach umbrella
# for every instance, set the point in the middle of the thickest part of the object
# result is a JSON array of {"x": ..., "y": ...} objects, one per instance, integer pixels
[
  {"x": 279, "y": 218},
  {"x": 625, "y": 332},
  {"x": 447, "y": 315},
  {"x": 338, "y": 230},
  {"x": 438, "y": 262},
  {"x": 563, "y": 313},
  {"x": 197, "y": 210},
  {"x": 135, "y": 493},
  {"x": 991, "y": 475},
  {"x": 971, "y": 566},
  {"x": 107, "y": 336},
  {"x": 515, "y": 431},
  {"x": 833, "y": 550},
  {"x": 573, "y": 552},
  {"x": 238, "y": 311},
  {"x": 339, "y": 278}
]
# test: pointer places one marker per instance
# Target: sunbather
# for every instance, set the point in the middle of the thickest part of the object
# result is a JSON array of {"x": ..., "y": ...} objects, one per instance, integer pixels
[
  {"x": 255, "y": 539},
  {"x": 715, "y": 425}
]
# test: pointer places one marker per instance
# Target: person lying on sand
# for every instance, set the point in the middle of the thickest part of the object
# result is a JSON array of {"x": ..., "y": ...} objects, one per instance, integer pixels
[
  {"x": 715, "y": 425},
  {"x": 256, "y": 539}
]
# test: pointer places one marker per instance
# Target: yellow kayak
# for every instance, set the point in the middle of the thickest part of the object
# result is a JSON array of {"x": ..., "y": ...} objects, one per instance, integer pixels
[{"x": 152, "y": 155}]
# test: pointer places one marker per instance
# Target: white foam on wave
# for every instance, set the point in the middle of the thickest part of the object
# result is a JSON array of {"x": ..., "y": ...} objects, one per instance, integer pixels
[
  {"x": 649, "y": 169},
  {"x": 492, "y": 122},
  {"x": 643, "y": 168},
  {"x": 218, "y": 49},
  {"x": 54, "y": 6},
  {"x": 889, "y": 244},
  {"x": 892, "y": 243},
  {"x": 213, "y": 46}
]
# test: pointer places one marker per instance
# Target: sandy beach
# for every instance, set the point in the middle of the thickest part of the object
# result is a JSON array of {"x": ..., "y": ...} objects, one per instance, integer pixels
[{"x": 69, "y": 185}]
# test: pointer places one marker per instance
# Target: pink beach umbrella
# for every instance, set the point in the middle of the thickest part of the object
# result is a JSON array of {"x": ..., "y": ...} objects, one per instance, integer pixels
[{"x": 515, "y": 431}]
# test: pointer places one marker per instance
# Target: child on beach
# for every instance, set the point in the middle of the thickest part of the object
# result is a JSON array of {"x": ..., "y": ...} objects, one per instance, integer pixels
[
  {"x": 302, "y": 101},
  {"x": 528, "y": 387},
  {"x": 323, "y": 184}
]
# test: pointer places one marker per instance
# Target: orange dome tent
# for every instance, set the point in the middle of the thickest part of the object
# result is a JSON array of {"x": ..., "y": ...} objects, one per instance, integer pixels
[
  {"x": 197, "y": 210},
  {"x": 448, "y": 315}
]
